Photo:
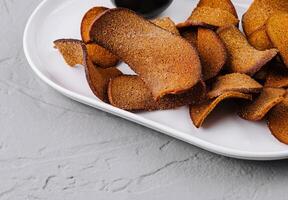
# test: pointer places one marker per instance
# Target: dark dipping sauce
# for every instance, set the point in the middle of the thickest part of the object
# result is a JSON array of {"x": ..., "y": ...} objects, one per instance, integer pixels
[{"x": 147, "y": 8}]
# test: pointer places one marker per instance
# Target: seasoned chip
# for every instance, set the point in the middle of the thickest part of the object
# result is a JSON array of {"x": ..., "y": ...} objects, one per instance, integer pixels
[
  {"x": 242, "y": 57},
  {"x": 277, "y": 30},
  {"x": 88, "y": 20},
  {"x": 221, "y": 4},
  {"x": 167, "y": 24},
  {"x": 259, "y": 12},
  {"x": 277, "y": 76},
  {"x": 190, "y": 34},
  {"x": 257, "y": 109},
  {"x": 100, "y": 56},
  {"x": 277, "y": 121},
  {"x": 199, "y": 113},
  {"x": 131, "y": 93},
  {"x": 234, "y": 82},
  {"x": 212, "y": 53},
  {"x": 75, "y": 52},
  {"x": 260, "y": 40},
  {"x": 167, "y": 63},
  {"x": 207, "y": 16}
]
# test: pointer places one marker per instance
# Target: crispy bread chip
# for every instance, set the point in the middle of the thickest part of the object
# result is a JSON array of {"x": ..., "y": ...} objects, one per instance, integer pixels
[
  {"x": 277, "y": 76},
  {"x": 190, "y": 34},
  {"x": 167, "y": 24},
  {"x": 207, "y": 16},
  {"x": 212, "y": 53},
  {"x": 221, "y": 4},
  {"x": 234, "y": 82},
  {"x": 199, "y": 113},
  {"x": 277, "y": 121},
  {"x": 277, "y": 30},
  {"x": 260, "y": 40},
  {"x": 259, "y": 12},
  {"x": 99, "y": 55},
  {"x": 74, "y": 52},
  {"x": 131, "y": 93},
  {"x": 256, "y": 110},
  {"x": 167, "y": 63},
  {"x": 242, "y": 57}
]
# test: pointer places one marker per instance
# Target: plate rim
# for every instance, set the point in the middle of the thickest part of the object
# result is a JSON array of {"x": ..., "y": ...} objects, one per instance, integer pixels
[{"x": 200, "y": 143}]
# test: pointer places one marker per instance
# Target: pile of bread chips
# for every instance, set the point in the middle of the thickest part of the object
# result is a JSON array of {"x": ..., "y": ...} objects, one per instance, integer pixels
[{"x": 200, "y": 62}]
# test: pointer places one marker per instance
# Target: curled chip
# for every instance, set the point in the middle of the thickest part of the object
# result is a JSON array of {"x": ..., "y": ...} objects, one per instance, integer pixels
[
  {"x": 199, "y": 113},
  {"x": 243, "y": 58},
  {"x": 277, "y": 76},
  {"x": 207, "y": 16},
  {"x": 259, "y": 12},
  {"x": 131, "y": 93},
  {"x": 277, "y": 30},
  {"x": 167, "y": 63},
  {"x": 260, "y": 40},
  {"x": 99, "y": 55},
  {"x": 167, "y": 24},
  {"x": 257, "y": 109},
  {"x": 234, "y": 82},
  {"x": 88, "y": 19},
  {"x": 221, "y": 4},
  {"x": 277, "y": 121},
  {"x": 75, "y": 52},
  {"x": 190, "y": 34},
  {"x": 212, "y": 53}
]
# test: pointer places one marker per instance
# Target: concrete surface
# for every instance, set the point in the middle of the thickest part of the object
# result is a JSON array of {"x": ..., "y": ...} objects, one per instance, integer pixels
[{"x": 54, "y": 148}]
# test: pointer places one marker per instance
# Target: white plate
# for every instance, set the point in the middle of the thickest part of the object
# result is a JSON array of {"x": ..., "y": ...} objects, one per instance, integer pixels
[{"x": 224, "y": 132}]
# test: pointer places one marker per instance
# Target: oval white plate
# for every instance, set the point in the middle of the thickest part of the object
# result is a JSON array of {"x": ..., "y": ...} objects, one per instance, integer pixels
[{"x": 224, "y": 132}]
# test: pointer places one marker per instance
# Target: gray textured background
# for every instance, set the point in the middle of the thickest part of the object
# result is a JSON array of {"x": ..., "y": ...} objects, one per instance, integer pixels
[{"x": 54, "y": 148}]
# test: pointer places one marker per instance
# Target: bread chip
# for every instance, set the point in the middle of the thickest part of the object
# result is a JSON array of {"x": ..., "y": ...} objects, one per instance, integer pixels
[
  {"x": 131, "y": 93},
  {"x": 207, "y": 16},
  {"x": 242, "y": 57},
  {"x": 199, "y": 113},
  {"x": 88, "y": 20},
  {"x": 74, "y": 52},
  {"x": 234, "y": 82},
  {"x": 167, "y": 63},
  {"x": 167, "y": 24},
  {"x": 277, "y": 30},
  {"x": 257, "y": 109},
  {"x": 190, "y": 34},
  {"x": 260, "y": 40},
  {"x": 212, "y": 53},
  {"x": 99, "y": 55},
  {"x": 259, "y": 12},
  {"x": 221, "y": 4},
  {"x": 277, "y": 76},
  {"x": 277, "y": 121}
]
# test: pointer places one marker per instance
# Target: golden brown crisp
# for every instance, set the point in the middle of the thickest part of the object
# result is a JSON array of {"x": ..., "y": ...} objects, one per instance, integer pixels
[
  {"x": 256, "y": 110},
  {"x": 212, "y": 53},
  {"x": 277, "y": 121},
  {"x": 207, "y": 16},
  {"x": 167, "y": 24},
  {"x": 260, "y": 40},
  {"x": 199, "y": 113},
  {"x": 131, "y": 93},
  {"x": 190, "y": 34},
  {"x": 242, "y": 57},
  {"x": 277, "y": 30},
  {"x": 259, "y": 12},
  {"x": 234, "y": 82},
  {"x": 74, "y": 52},
  {"x": 221, "y": 4},
  {"x": 167, "y": 63}
]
